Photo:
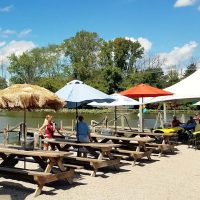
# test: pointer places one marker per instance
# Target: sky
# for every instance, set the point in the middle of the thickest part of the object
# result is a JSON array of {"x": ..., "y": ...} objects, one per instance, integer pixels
[{"x": 168, "y": 28}]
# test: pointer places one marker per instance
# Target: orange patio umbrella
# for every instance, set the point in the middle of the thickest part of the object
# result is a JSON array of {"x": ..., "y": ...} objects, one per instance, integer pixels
[{"x": 144, "y": 90}]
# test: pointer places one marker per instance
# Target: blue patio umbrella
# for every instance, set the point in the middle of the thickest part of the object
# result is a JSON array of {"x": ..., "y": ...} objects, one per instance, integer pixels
[{"x": 76, "y": 93}]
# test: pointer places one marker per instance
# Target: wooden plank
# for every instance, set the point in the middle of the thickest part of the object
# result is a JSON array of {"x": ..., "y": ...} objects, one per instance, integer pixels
[
  {"x": 142, "y": 139},
  {"x": 47, "y": 154},
  {"x": 105, "y": 163},
  {"x": 73, "y": 166},
  {"x": 128, "y": 152},
  {"x": 74, "y": 143},
  {"x": 23, "y": 171}
]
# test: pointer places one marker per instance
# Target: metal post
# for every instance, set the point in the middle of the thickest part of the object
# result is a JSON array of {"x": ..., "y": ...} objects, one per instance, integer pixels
[{"x": 140, "y": 116}]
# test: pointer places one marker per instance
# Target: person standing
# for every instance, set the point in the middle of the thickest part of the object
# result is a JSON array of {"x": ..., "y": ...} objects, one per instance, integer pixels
[
  {"x": 47, "y": 130},
  {"x": 82, "y": 130}
]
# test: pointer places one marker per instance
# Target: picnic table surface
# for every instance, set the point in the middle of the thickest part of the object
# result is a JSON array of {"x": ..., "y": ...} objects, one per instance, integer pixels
[
  {"x": 88, "y": 144},
  {"x": 40, "y": 153},
  {"x": 147, "y": 133},
  {"x": 137, "y": 139}
]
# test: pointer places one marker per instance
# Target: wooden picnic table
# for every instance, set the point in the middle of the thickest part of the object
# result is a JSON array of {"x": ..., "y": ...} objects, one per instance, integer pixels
[
  {"x": 165, "y": 144},
  {"x": 47, "y": 160},
  {"x": 129, "y": 144},
  {"x": 101, "y": 153}
]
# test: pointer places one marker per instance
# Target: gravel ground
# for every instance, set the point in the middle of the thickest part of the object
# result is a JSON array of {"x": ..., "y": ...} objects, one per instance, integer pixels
[{"x": 172, "y": 177}]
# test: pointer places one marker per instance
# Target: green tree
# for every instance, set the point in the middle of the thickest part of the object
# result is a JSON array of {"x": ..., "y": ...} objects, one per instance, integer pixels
[
  {"x": 82, "y": 51},
  {"x": 112, "y": 79},
  {"x": 190, "y": 70},
  {"x": 25, "y": 68},
  {"x": 3, "y": 83},
  {"x": 152, "y": 76},
  {"x": 42, "y": 66},
  {"x": 126, "y": 53},
  {"x": 171, "y": 78}
]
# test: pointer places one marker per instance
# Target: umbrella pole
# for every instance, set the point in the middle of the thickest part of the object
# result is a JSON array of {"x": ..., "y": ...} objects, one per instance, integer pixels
[
  {"x": 77, "y": 131},
  {"x": 115, "y": 120},
  {"x": 24, "y": 129},
  {"x": 24, "y": 133}
]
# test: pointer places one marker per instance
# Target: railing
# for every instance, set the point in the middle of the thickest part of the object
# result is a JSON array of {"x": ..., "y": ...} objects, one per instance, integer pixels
[{"x": 104, "y": 123}]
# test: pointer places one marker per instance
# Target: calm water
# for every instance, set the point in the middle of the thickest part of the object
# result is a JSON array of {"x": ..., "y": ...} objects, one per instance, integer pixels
[{"x": 35, "y": 118}]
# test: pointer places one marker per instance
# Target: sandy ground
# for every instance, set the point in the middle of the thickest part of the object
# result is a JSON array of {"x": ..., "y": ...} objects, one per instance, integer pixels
[{"x": 173, "y": 177}]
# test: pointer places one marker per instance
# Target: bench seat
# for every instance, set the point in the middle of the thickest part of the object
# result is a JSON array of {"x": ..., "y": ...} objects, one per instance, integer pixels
[
  {"x": 41, "y": 178},
  {"x": 162, "y": 147},
  {"x": 94, "y": 163},
  {"x": 134, "y": 154}
]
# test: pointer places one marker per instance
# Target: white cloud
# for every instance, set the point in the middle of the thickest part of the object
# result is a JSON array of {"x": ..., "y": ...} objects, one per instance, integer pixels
[
  {"x": 198, "y": 8},
  {"x": 143, "y": 41},
  {"x": 179, "y": 54},
  {"x": 6, "y": 8},
  {"x": 24, "y": 32},
  {"x": 183, "y": 3},
  {"x": 7, "y": 32},
  {"x": 17, "y": 47},
  {"x": 2, "y": 43}
]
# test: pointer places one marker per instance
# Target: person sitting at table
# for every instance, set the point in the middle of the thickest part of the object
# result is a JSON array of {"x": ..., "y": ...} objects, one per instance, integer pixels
[
  {"x": 191, "y": 123},
  {"x": 188, "y": 127},
  {"x": 47, "y": 129},
  {"x": 82, "y": 130},
  {"x": 175, "y": 122}
]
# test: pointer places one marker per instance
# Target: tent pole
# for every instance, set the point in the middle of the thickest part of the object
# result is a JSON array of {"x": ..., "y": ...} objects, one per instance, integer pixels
[
  {"x": 165, "y": 112},
  {"x": 140, "y": 116}
]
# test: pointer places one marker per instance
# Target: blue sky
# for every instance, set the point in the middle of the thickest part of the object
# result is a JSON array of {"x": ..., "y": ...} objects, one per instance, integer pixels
[{"x": 170, "y": 28}]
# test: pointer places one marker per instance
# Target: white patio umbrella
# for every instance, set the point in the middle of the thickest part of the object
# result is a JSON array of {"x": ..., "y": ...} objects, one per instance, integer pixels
[
  {"x": 197, "y": 103},
  {"x": 120, "y": 100},
  {"x": 76, "y": 93}
]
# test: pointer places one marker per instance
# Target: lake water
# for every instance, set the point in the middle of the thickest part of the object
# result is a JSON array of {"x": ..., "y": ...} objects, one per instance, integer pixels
[{"x": 35, "y": 118}]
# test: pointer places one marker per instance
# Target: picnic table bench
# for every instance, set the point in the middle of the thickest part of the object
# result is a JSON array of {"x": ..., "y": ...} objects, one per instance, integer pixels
[
  {"x": 101, "y": 153},
  {"x": 53, "y": 169},
  {"x": 128, "y": 145}
]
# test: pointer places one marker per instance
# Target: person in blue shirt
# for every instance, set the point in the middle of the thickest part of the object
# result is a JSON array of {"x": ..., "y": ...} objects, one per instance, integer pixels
[
  {"x": 190, "y": 125},
  {"x": 82, "y": 130}
]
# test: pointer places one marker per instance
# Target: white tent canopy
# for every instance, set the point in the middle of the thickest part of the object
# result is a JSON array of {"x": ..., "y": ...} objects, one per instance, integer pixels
[{"x": 188, "y": 88}]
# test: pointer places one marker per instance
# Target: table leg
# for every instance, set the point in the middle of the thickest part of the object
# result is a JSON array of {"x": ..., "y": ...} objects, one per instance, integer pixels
[
  {"x": 9, "y": 161},
  {"x": 63, "y": 169},
  {"x": 40, "y": 161}
]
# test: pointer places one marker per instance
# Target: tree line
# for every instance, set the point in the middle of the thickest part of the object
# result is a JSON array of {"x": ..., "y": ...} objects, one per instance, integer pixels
[{"x": 110, "y": 66}]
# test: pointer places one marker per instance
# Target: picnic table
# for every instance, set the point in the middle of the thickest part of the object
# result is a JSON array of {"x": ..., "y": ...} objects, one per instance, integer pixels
[
  {"x": 101, "y": 153},
  {"x": 129, "y": 145},
  {"x": 49, "y": 161},
  {"x": 165, "y": 144}
]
